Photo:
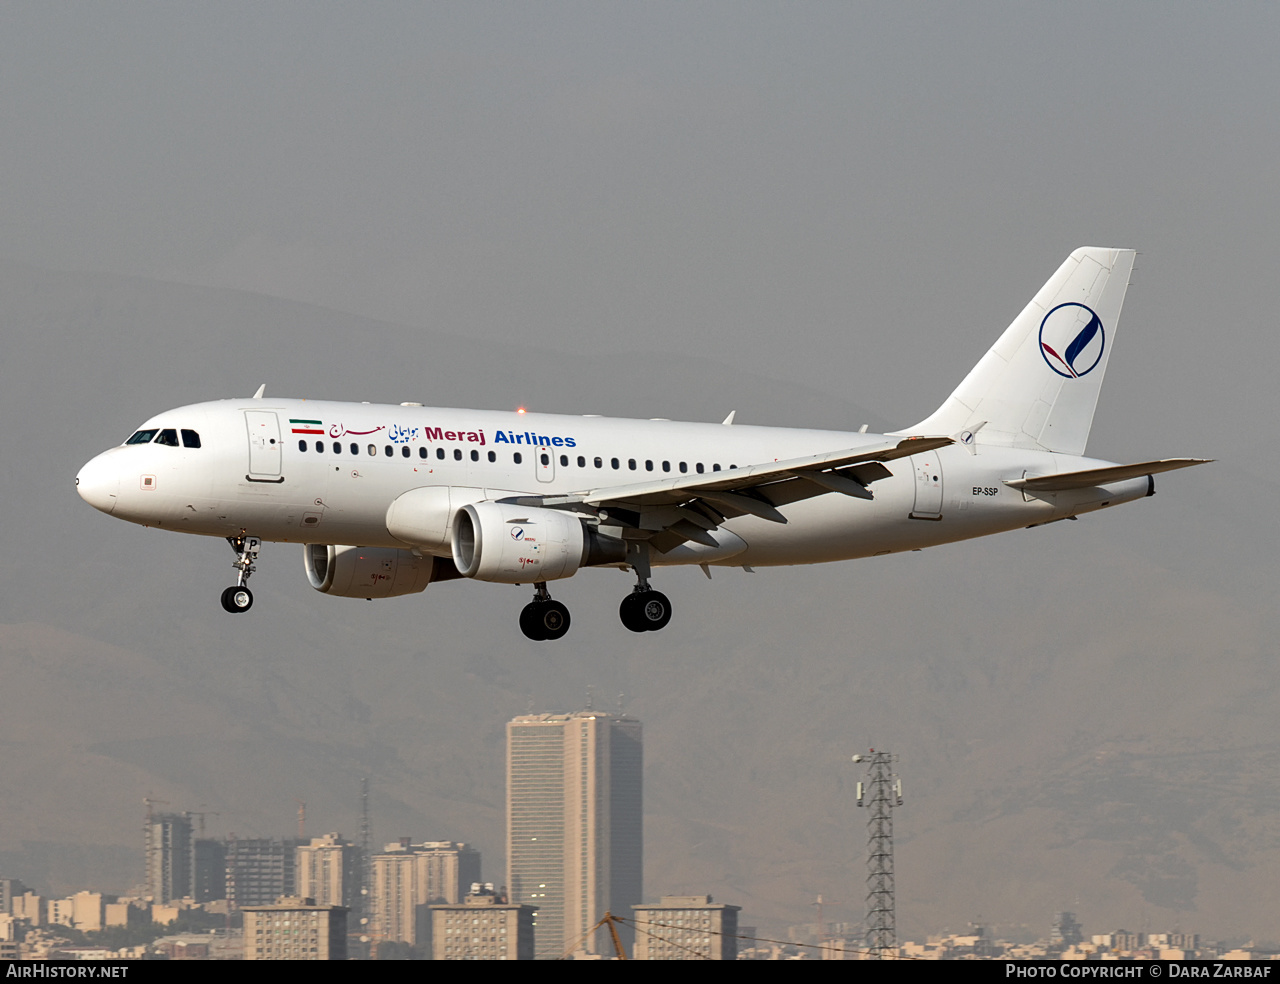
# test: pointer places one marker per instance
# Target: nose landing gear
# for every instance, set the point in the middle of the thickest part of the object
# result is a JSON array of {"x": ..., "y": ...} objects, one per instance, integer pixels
[
  {"x": 544, "y": 618},
  {"x": 238, "y": 597}
]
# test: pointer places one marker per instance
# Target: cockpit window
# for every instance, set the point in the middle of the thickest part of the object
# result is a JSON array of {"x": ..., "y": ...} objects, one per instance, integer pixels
[
  {"x": 190, "y": 439},
  {"x": 142, "y": 437},
  {"x": 168, "y": 437}
]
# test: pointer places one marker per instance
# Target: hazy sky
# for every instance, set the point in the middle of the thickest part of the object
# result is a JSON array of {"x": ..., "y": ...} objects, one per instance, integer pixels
[
  {"x": 785, "y": 186},
  {"x": 853, "y": 198}
]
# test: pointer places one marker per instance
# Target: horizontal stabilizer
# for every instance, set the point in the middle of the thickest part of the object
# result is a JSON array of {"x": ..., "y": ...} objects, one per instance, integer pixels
[{"x": 1093, "y": 477}]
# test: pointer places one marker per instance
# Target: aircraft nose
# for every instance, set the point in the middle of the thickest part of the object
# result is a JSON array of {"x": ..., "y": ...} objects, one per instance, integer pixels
[{"x": 99, "y": 484}]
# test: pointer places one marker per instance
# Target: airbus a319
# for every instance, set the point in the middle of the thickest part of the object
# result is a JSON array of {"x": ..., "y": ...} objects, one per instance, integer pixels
[{"x": 387, "y": 499}]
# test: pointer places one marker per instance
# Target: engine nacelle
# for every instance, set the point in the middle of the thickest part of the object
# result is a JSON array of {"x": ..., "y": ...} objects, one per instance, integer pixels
[
  {"x": 498, "y": 541},
  {"x": 368, "y": 572}
]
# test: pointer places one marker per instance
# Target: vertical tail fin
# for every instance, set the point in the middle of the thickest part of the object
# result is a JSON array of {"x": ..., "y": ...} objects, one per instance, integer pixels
[{"x": 1038, "y": 386}]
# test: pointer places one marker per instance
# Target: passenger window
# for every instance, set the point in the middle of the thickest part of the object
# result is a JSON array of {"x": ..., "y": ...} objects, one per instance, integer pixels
[
  {"x": 457, "y": 454},
  {"x": 492, "y": 456},
  {"x": 666, "y": 466},
  {"x": 648, "y": 465},
  {"x": 302, "y": 445},
  {"x": 582, "y": 462},
  {"x": 614, "y": 463},
  {"x": 405, "y": 452},
  {"x": 389, "y": 450},
  {"x": 545, "y": 459},
  {"x": 475, "y": 455},
  {"x": 337, "y": 448},
  {"x": 517, "y": 457},
  {"x": 698, "y": 467},
  {"x": 715, "y": 467},
  {"x": 440, "y": 453},
  {"x": 599, "y": 463},
  {"x": 564, "y": 461},
  {"x": 142, "y": 437},
  {"x": 373, "y": 450},
  {"x": 684, "y": 467},
  {"x": 319, "y": 447},
  {"x": 631, "y": 463},
  {"x": 168, "y": 437},
  {"x": 190, "y": 439},
  {"x": 422, "y": 452},
  {"x": 355, "y": 449}
]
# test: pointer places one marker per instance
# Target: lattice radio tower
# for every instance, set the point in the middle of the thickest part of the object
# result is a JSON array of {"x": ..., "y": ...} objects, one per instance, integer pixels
[{"x": 881, "y": 792}]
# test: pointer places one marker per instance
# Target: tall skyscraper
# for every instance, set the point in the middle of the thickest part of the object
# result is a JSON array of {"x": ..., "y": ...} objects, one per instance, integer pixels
[
  {"x": 575, "y": 824},
  {"x": 170, "y": 858}
]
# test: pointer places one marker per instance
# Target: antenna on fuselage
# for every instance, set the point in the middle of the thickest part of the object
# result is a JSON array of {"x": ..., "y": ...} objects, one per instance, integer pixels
[{"x": 261, "y": 389}]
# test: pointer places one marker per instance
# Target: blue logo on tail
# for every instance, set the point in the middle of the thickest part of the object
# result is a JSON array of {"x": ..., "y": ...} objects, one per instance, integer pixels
[{"x": 1072, "y": 340}]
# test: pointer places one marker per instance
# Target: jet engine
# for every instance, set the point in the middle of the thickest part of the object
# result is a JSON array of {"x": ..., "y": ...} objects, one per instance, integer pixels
[
  {"x": 371, "y": 572},
  {"x": 500, "y": 541}
]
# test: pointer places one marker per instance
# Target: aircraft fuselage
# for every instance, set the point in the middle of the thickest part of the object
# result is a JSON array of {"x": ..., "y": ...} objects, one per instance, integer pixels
[{"x": 319, "y": 472}]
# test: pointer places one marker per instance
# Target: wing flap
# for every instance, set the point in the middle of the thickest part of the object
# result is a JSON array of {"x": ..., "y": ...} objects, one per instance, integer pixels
[{"x": 1092, "y": 477}]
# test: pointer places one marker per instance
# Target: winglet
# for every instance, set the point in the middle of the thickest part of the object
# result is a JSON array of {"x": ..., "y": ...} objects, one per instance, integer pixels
[{"x": 261, "y": 390}]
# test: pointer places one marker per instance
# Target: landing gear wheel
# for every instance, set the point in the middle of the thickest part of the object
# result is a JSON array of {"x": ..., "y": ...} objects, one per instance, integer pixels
[
  {"x": 555, "y": 619},
  {"x": 629, "y": 612},
  {"x": 237, "y": 598},
  {"x": 530, "y": 623},
  {"x": 544, "y": 620},
  {"x": 645, "y": 611},
  {"x": 656, "y": 610}
]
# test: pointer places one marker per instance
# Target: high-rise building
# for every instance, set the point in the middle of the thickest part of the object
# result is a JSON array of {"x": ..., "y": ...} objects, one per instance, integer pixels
[
  {"x": 170, "y": 860},
  {"x": 407, "y": 878},
  {"x": 575, "y": 826},
  {"x": 328, "y": 870},
  {"x": 259, "y": 870},
  {"x": 687, "y": 927},
  {"x": 209, "y": 879}
]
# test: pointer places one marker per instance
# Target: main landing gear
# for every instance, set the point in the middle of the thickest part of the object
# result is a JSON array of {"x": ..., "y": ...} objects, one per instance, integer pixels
[
  {"x": 238, "y": 597},
  {"x": 544, "y": 618},
  {"x": 644, "y": 610}
]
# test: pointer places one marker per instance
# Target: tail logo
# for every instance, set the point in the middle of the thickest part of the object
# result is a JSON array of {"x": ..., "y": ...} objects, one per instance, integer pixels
[{"x": 1072, "y": 340}]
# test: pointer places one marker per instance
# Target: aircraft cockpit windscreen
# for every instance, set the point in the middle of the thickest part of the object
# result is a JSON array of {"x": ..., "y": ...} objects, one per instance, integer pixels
[{"x": 167, "y": 436}]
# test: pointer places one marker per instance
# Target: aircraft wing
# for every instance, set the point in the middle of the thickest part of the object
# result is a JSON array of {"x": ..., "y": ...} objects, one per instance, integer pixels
[
  {"x": 674, "y": 510},
  {"x": 1091, "y": 477}
]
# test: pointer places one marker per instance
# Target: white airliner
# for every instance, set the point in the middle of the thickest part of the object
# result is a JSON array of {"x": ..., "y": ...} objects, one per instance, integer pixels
[{"x": 386, "y": 499}]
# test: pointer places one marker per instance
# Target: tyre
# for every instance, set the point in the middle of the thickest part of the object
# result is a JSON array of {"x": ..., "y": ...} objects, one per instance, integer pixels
[
  {"x": 555, "y": 620},
  {"x": 237, "y": 599},
  {"x": 655, "y": 610},
  {"x": 531, "y": 623}
]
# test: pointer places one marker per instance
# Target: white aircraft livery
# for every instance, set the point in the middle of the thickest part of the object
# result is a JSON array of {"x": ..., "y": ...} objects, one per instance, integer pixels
[{"x": 387, "y": 499}]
